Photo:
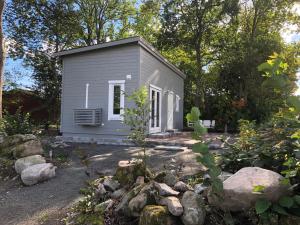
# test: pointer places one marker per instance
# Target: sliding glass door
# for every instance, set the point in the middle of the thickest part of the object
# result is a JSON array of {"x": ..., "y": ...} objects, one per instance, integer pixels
[{"x": 155, "y": 109}]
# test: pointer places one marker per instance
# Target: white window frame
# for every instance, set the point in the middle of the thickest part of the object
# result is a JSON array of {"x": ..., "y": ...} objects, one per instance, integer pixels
[
  {"x": 177, "y": 105},
  {"x": 157, "y": 89},
  {"x": 111, "y": 84}
]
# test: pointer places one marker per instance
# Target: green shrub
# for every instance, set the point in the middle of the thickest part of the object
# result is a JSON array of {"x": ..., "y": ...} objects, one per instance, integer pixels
[
  {"x": 17, "y": 123},
  {"x": 274, "y": 146}
]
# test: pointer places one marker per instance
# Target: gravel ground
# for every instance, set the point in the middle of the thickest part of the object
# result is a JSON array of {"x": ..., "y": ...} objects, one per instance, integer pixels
[{"x": 48, "y": 202}]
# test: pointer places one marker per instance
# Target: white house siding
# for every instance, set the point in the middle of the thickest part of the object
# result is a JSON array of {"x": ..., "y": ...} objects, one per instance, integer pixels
[{"x": 153, "y": 71}]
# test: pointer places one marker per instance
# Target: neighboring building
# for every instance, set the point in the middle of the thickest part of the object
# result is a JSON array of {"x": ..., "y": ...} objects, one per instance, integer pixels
[{"x": 94, "y": 79}]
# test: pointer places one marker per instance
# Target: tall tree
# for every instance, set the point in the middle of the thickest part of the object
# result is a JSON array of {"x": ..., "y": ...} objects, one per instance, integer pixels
[
  {"x": 2, "y": 53},
  {"x": 251, "y": 42},
  {"x": 36, "y": 30},
  {"x": 102, "y": 20},
  {"x": 147, "y": 21},
  {"x": 193, "y": 25}
]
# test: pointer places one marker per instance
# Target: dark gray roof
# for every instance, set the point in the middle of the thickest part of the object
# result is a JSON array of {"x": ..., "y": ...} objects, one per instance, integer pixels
[{"x": 138, "y": 40}]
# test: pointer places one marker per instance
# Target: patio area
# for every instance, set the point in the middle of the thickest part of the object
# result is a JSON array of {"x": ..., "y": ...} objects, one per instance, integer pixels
[{"x": 184, "y": 139}]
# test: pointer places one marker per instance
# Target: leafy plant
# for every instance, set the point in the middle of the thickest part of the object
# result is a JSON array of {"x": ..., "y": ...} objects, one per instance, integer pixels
[
  {"x": 286, "y": 205},
  {"x": 137, "y": 118},
  {"x": 274, "y": 145},
  {"x": 83, "y": 212},
  {"x": 205, "y": 158},
  {"x": 17, "y": 123}
]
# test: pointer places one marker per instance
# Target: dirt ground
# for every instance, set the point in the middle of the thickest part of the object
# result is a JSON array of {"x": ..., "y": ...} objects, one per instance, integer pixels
[{"x": 47, "y": 203}]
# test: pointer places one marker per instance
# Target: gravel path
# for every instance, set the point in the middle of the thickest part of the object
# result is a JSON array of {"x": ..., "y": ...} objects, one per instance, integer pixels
[{"x": 47, "y": 203}]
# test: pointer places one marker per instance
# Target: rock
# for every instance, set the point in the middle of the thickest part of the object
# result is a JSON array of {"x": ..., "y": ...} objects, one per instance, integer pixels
[
  {"x": 199, "y": 188},
  {"x": 100, "y": 191},
  {"x": 111, "y": 184},
  {"x": 224, "y": 176},
  {"x": 140, "y": 180},
  {"x": 128, "y": 171},
  {"x": 165, "y": 190},
  {"x": 16, "y": 139},
  {"x": 238, "y": 189},
  {"x": 123, "y": 204},
  {"x": 173, "y": 204},
  {"x": 137, "y": 204},
  {"x": 25, "y": 162},
  {"x": 193, "y": 209},
  {"x": 155, "y": 215},
  {"x": 118, "y": 193},
  {"x": 159, "y": 177},
  {"x": 148, "y": 188},
  {"x": 181, "y": 186},
  {"x": 170, "y": 179},
  {"x": 9, "y": 144},
  {"x": 32, "y": 147},
  {"x": 214, "y": 146},
  {"x": 289, "y": 220},
  {"x": 38, "y": 173},
  {"x": 103, "y": 206}
]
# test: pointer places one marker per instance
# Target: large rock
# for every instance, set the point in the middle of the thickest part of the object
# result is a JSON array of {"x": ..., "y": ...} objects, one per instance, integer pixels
[
  {"x": 137, "y": 204},
  {"x": 23, "y": 163},
  {"x": 165, "y": 190},
  {"x": 128, "y": 171},
  {"x": 122, "y": 207},
  {"x": 156, "y": 215},
  {"x": 181, "y": 186},
  {"x": 238, "y": 189},
  {"x": 9, "y": 142},
  {"x": 32, "y": 147},
  {"x": 38, "y": 173},
  {"x": 173, "y": 204},
  {"x": 118, "y": 193},
  {"x": 111, "y": 184},
  {"x": 170, "y": 179},
  {"x": 16, "y": 139},
  {"x": 193, "y": 209}
]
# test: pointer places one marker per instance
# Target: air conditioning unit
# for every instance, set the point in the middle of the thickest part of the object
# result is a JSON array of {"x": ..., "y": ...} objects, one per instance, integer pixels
[{"x": 88, "y": 117}]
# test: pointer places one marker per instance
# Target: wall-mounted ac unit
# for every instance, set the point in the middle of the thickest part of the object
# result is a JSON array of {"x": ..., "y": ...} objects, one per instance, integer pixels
[{"x": 88, "y": 117}]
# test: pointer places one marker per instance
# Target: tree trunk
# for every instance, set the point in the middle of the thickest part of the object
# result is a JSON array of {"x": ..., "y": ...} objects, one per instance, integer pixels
[{"x": 2, "y": 55}]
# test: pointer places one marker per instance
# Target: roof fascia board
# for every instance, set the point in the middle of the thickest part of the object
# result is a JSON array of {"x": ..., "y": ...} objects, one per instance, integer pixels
[{"x": 96, "y": 47}]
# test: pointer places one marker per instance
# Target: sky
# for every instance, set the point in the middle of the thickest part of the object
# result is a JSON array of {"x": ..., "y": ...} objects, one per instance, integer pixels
[{"x": 289, "y": 34}]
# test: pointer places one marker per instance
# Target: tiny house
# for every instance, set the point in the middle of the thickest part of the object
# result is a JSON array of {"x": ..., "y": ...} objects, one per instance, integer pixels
[{"x": 95, "y": 79}]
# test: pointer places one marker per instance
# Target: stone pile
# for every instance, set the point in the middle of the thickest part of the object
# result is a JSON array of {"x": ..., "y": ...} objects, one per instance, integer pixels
[
  {"x": 150, "y": 199},
  {"x": 30, "y": 164},
  {"x": 164, "y": 199}
]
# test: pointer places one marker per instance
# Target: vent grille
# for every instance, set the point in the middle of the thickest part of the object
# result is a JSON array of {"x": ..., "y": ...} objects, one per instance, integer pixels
[{"x": 88, "y": 117}]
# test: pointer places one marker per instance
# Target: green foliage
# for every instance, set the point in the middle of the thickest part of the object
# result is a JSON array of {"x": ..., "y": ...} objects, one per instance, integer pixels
[
  {"x": 262, "y": 205},
  {"x": 274, "y": 66},
  {"x": 273, "y": 146},
  {"x": 17, "y": 123},
  {"x": 205, "y": 158},
  {"x": 83, "y": 212},
  {"x": 137, "y": 117},
  {"x": 285, "y": 206}
]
